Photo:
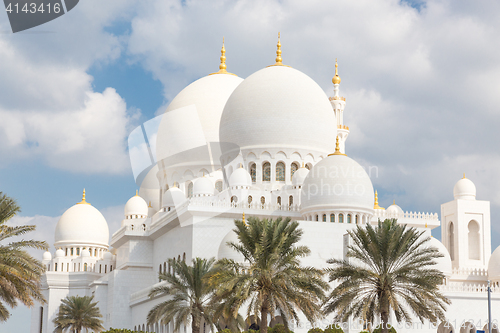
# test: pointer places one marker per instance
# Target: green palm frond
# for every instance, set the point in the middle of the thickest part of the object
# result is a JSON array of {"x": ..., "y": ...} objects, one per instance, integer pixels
[
  {"x": 389, "y": 267},
  {"x": 20, "y": 273},
  {"x": 271, "y": 279},
  {"x": 76, "y": 313}
]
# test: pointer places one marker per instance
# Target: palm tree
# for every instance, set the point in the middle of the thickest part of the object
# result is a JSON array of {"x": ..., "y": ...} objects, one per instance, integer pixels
[
  {"x": 271, "y": 279},
  {"x": 189, "y": 295},
  {"x": 20, "y": 273},
  {"x": 76, "y": 313},
  {"x": 388, "y": 267}
]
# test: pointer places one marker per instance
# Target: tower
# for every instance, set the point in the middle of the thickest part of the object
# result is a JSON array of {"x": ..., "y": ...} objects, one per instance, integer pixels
[
  {"x": 338, "y": 105},
  {"x": 465, "y": 227}
]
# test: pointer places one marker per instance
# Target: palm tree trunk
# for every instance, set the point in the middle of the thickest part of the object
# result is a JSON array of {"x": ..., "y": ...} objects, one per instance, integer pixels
[
  {"x": 264, "y": 311},
  {"x": 195, "y": 325},
  {"x": 384, "y": 314}
]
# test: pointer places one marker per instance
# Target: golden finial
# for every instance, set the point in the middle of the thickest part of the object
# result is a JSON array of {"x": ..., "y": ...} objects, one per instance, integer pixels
[
  {"x": 136, "y": 193},
  {"x": 222, "y": 66},
  {"x": 337, "y": 148},
  {"x": 426, "y": 224},
  {"x": 279, "y": 60},
  {"x": 336, "y": 78},
  {"x": 241, "y": 165},
  {"x": 149, "y": 206},
  {"x": 464, "y": 176},
  {"x": 83, "y": 199},
  {"x": 302, "y": 164},
  {"x": 243, "y": 219},
  {"x": 394, "y": 201},
  {"x": 376, "y": 206}
]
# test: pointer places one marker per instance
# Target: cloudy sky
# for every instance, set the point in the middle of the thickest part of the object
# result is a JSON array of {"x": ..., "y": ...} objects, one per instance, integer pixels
[{"x": 420, "y": 78}]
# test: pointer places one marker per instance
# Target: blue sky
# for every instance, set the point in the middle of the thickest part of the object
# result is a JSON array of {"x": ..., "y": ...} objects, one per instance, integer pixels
[{"x": 420, "y": 78}]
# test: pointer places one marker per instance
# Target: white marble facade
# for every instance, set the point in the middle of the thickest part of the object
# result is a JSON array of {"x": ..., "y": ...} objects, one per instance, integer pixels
[{"x": 270, "y": 145}]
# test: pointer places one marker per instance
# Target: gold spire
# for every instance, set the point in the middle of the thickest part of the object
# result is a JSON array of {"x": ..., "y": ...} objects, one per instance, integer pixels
[
  {"x": 83, "y": 199},
  {"x": 376, "y": 206},
  {"x": 337, "y": 148},
  {"x": 279, "y": 60},
  {"x": 222, "y": 66},
  {"x": 243, "y": 219},
  {"x": 136, "y": 193},
  {"x": 149, "y": 206},
  {"x": 464, "y": 175},
  {"x": 336, "y": 78},
  {"x": 394, "y": 201}
]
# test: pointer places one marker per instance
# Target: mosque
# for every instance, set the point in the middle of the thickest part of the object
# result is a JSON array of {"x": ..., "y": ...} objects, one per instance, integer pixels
[{"x": 273, "y": 144}]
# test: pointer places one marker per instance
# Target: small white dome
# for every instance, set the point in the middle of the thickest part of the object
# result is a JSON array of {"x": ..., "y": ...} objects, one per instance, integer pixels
[
  {"x": 136, "y": 206},
  {"x": 59, "y": 253},
  {"x": 203, "y": 186},
  {"x": 443, "y": 263},
  {"x": 225, "y": 251},
  {"x": 394, "y": 211},
  {"x": 240, "y": 177},
  {"x": 107, "y": 256},
  {"x": 339, "y": 183},
  {"x": 47, "y": 255},
  {"x": 299, "y": 176},
  {"x": 278, "y": 107},
  {"x": 85, "y": 253},
  {"x": 464, "y": 189},
  {"x": 173, "y": 197},
  {"x": 494, "y": 265},
  {"x": 82, "y": 224}
]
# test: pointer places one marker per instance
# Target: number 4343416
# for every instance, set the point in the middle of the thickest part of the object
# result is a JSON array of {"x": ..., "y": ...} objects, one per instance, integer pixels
[{"x": 34, "y": 8}]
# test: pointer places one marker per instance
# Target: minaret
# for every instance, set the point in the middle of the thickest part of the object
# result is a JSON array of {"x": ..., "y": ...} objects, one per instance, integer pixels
[{"x": 338, "y": 105}]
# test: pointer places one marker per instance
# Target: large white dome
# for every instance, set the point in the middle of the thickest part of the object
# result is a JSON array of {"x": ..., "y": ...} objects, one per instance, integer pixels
[
  {"x": 494, "y": 265},
  {"x": 338, "y": 183},
  {"x": 192, "y": 119},
  {"x": 82, "y": 224},
  {"x": 278, "y": 107},
  {"x": 443, "y": 263},
  {"x": 464, "y": 189},
  {"x": 240, "y": 177}
]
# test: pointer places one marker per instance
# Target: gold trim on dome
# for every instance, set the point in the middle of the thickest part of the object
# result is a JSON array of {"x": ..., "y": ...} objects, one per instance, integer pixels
[
  {"x": 335, "y": 98},
  {"x": 376, "y": 206},
  {"x": 222, "y": 66},
  {"x": 279, "y": 60},
  {"x": 336, "y": 78},
  {"x": 83, "y": 202},
  {"x": 343, "y": 127},
  {"x": 337, "y": 148}
]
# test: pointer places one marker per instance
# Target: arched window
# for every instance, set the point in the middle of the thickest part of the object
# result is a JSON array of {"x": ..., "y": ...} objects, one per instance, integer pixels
[
  {"x": 324, "y": 217},
  {"x": 165, "y": 268},
  {"x": 190, "y": 190},
  {"x": 451, "y": 242},
  {"x": 357, "y": 219},
  {"x": 85, "y": 267},
  {"x": 100, "y": 269},
  {"x": 263, "y": 200},
  {"x": 234, "y": 199},
  {"x": 95, "y": 252},
  {"x": 66, "y": 252},
  {"x": 317, "y": 218},
  {"x": 253, "y": 172},
  {"x": 71, "y": 251},
  {"x": 266, "y": 172},
  {"x": 290, "y": 200},
  {"x": 67, "y": 267},
  {"x": 143, "y": 227},
  {"x": 294, "y": 167},
  {"x": 474, "y": 243},
  {"x": 332, "y": 218},
  {"x": 348, "y": 218},
  {"x": 77, "y": 251},
  {"x": 341, "y": 218},
  {"x": 308, "y": 166},
  {"x": 250, "y": 199},
  {"x": 279, "y": 201},
  {"x": 55, "y": 267},
  {"x": 280, "y": 172},
  {"x": 218, "y": 185}
]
